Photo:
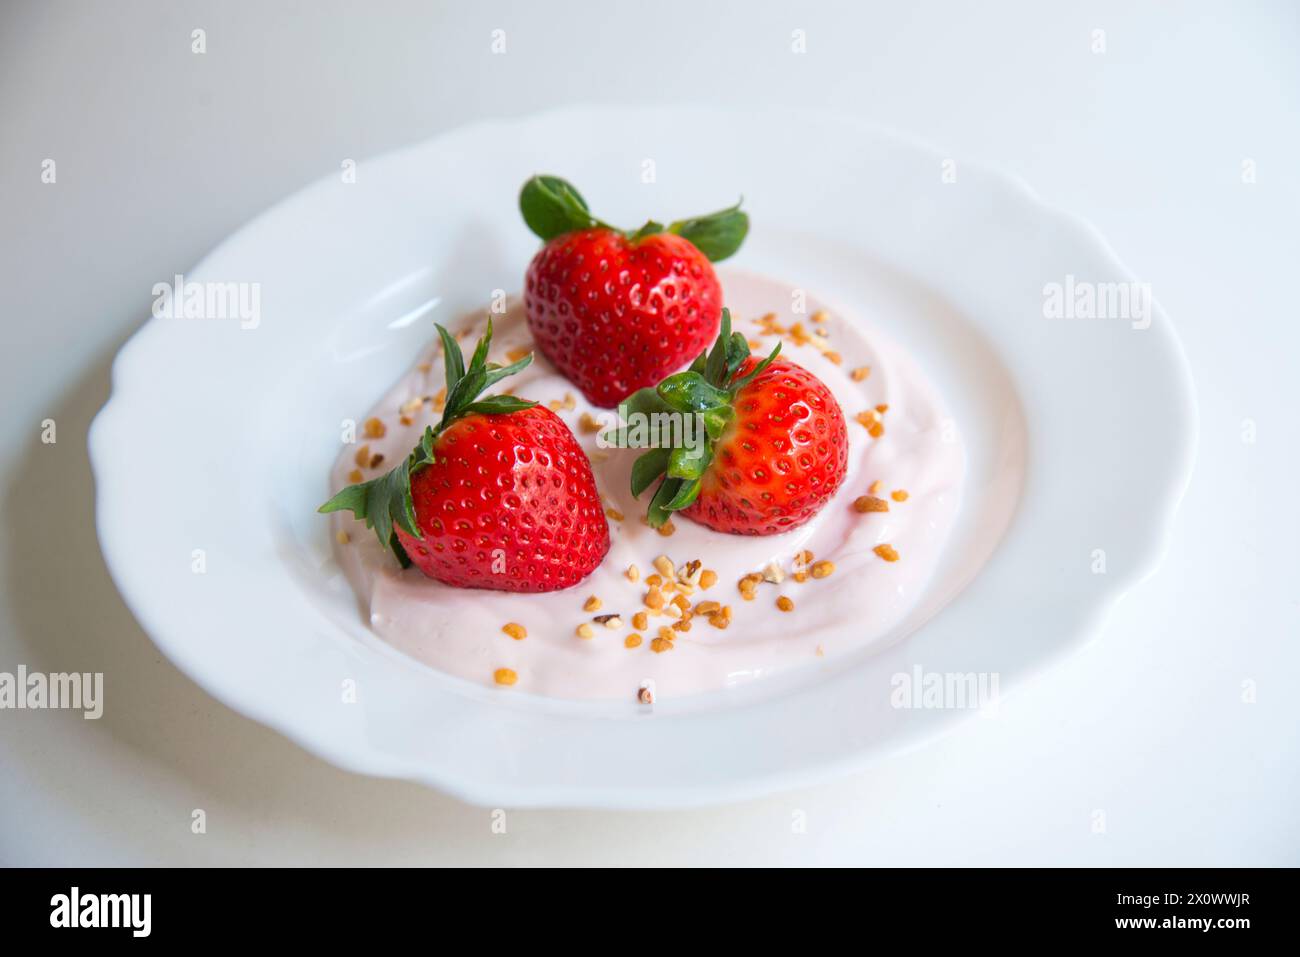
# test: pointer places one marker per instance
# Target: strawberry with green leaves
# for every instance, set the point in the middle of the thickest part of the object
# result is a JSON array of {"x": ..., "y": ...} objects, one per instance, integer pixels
[
  {"x": 616, "y": 310},
  {"x": 772, "y": 450},
  {"x": 499, "y": 495}
]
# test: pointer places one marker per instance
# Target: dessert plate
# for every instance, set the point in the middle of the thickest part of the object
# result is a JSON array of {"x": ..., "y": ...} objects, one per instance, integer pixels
[{"x": 1079, "y": 436}]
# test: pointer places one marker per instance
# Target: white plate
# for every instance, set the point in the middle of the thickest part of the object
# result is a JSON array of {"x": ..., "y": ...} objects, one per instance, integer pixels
[{"x": 219, "y": 438}]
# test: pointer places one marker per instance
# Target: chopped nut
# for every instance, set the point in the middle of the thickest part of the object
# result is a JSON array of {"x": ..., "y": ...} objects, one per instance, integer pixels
[
  {"x": 609, "y": 621},
  {"x": 785, "y": 604},
  {"x": 834, "y": 357},
  {"x": 515, "y": 631},
  {"x": 681, "y": 602},
  {"x": 664, "y": 566},
  {"x": 632, "y": 641},
  {"x": 672, "y": 611},
  {"x": 707, "y": 608},
  {"x": 801, "y": 561},
  {"x": 411, "y": 405},
  {"x": 667, "y": 528},
  {"x": 823, "y": 569},
  {"x": 640, "y": 621},
  {"x": 514, "y": 355},
  {"x": 588, "y": 423},
  {"x": 708, "y": 578},
  {"x": 898, "y": 495},
  {"x": 683, "y": 625},
  {"x": 406, "y": 420},
  {"x": 505, "y": 676},
  {"x": 439, "y": 400},
  {"x": 376, "y": 460},
  {"x": 585, "y": 631},
  {"x": 882, "y": 408},
  {"x": 875, "y": 487},
  {"x": 425, "y": 367},
  {"x": 355, "y": 476},
  {"x": 819, "y": 316},
  {"x": 800, "y": 577},
  {"x": 654, "y": 599},
  {"x": 869, "y": 503},
  {"x": 342, "y": 538},
  {"x": 653, "y": 581},
  {"x": 363, "y": 456},
  {"x": 886, "y": 552},
  {"x": 592, "y": 604},
  {"x": 632, "y": 573},
  {"x": 375, "y": 429},
  {"x": 773, "y": 573},
  {"x": 660, "y": 645},
  {"x": 860, "y": 373},
  {"x": 614, "y": 513},
  {"x": 646, "y": 693}
]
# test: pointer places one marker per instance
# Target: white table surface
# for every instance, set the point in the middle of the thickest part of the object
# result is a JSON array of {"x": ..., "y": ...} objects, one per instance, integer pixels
[{"x": 161, "y": 153}]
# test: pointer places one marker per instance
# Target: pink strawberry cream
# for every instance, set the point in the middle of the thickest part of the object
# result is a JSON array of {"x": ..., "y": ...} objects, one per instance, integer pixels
[{"x": 872, "y": 551}]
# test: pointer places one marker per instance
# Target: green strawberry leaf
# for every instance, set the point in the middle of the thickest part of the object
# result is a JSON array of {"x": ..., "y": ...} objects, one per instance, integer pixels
[
  {"x": 552, "y": 207},
  {"x": 688, "y": 462},
  {"x": 717, "y": 235},
  {"x": 691, "y": 392},
  {"x": 498, "y": 405},
  {"x": 385, "y": 503},
  {"x": 647, "y": 468},
  {"x": 664, "y": 495},
  {"x": 686, "y": 495}
]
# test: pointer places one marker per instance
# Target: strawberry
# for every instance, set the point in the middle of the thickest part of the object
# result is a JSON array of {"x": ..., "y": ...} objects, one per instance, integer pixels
[
  {"x": 770, "y": 450},
  {"x": 499, "y": 495},
  {"x": 615, "y": 311}
]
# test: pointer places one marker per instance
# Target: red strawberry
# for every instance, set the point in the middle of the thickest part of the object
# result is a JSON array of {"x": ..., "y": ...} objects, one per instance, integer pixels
[
  {"x": 500, "y": 495},
  {"x": 772, "y": 451},
  {"x": 616, "y": 311}
]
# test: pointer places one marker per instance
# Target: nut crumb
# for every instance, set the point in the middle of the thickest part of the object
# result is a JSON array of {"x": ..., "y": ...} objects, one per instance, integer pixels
[
  {"x": 667, "y": 528},
  {"x": 517, "y": 353},
  {"x": 592, "y": 604},
  {"x": 362, "y": 456},
  {"x": 860, "y": 373},
  {"x": 869, "y": 503},
  {"x": 646, "y": 693},
  {"x": 640, "y": 621},
  {"x": 708, "y": 578},
  {"x": 609, "y": 621},
  {"x": 515, "y": 631},
  {"x": 823, "y": 569},
  {"x": 585, "y": 631},
  {"x": 588, "y": 423},
  {"x": 632, "y": 641},
  {"x": 785, "y": 603},
  {"x": 355, "y": 476},
  {"x": 887, "y": 552},
  {"x": 632, "y": 573},
  {"x": 342, "y": 538},
  {"x": 614, "y": 513},
  {"x": 899, "y": 495},
  {"x": 375, "y": 429},
  {"x": 505, "y": 676},
  {"x": 875, "y": 487}
]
